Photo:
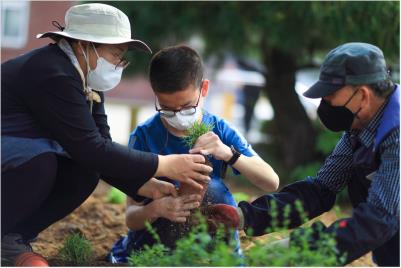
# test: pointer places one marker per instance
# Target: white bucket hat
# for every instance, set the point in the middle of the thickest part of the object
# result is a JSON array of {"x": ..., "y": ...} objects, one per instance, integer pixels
[{"x": 98, "y": 23}]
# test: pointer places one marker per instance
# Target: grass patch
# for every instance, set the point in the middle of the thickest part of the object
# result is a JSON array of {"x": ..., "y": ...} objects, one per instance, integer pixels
[{"x": 76, "y": 251}]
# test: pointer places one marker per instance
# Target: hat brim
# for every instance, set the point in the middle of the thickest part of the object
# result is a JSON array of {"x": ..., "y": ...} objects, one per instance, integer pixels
[
  {"x": 132, "y": 43},
  {"x": 321, "y": 89}
]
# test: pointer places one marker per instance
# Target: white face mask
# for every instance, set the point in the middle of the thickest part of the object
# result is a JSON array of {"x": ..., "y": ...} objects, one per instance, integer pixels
[
  {"x": 105, "y": 76},
  {"x": 183, "y": 122}
]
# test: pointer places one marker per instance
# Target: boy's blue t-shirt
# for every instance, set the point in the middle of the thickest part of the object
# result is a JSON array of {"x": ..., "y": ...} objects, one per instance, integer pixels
[{"x": 152, "y": 136}]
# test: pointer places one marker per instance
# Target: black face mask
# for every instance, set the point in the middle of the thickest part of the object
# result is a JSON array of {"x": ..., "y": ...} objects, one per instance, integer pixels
[{"x": 336, "y": 118}]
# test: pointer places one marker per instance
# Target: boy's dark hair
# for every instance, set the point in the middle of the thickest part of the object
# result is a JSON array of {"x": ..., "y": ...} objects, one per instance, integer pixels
[{"x": 175, "y": 68}]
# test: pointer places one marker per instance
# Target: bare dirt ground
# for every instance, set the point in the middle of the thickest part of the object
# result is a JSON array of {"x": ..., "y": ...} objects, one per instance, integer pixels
[{"x": 102, "y": 224}]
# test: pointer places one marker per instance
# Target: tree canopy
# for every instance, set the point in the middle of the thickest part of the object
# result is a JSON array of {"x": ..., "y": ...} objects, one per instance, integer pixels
[
  {"x": 284, "y": 36},
  {"x": 302, "y": 29}
]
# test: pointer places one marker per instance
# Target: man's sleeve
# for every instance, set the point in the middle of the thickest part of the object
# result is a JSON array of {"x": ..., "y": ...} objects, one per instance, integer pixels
[
  {"x": 314, "y": 199},
  {"x": 337, "y": 169},
  {"x": 375, "y": 221},
  {"x": 316, "y": 195}
]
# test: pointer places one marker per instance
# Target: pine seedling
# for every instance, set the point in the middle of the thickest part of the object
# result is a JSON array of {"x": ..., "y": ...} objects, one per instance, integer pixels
[
  {"x": 195, "y": 131},
  {"x": 76, "y": 251}
]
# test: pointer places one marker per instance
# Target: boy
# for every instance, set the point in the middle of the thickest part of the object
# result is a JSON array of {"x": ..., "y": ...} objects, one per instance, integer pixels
[{"x": 176, "y": 76}]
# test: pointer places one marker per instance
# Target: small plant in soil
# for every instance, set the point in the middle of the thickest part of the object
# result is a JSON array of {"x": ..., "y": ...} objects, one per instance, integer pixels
[
  {"x": 195, "y": 131},
  {"x": 197, "y": 248},
  {"x": 76, "y": 251}
]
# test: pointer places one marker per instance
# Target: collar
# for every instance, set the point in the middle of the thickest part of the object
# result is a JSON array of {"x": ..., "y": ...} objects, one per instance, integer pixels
[
  {"x": 367, "y": 135},
  {"x": 67, "y": 49}
]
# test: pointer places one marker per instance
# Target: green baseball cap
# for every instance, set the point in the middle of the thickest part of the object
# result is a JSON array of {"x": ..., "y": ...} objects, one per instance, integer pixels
[{"x": 349, "y": 64}]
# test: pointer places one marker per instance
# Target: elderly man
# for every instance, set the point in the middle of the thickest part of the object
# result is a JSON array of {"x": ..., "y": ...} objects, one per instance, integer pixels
[{"x": 359, "y": 98}]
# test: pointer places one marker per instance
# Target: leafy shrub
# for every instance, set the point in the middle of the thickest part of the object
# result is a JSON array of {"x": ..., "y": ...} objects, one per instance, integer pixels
[
  {"x": 76, "y": 251},
  {"x": 115, "y": 196},
  {"x": 310, "y": 169},
  {"x": 195, "y": 131},
  {"x": 199, "y": 248}
]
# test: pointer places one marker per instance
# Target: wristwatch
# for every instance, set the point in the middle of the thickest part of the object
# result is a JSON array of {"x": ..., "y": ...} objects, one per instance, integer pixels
[
  {"x": 230, "y": 162},
  {"x": 235, "y": 156}
]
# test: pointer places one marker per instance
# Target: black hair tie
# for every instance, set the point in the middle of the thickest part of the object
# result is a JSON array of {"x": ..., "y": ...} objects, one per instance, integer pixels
[{"x": 57, "y": 25}]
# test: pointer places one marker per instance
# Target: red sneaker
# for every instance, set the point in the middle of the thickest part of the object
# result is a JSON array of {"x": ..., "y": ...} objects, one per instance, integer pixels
[
  {"x": 221, "y": 214},
  {"x": 31, "y": 259}
]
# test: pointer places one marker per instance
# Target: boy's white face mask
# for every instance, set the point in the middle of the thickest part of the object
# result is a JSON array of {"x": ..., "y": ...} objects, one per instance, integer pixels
[
  {"x": 105, "y": 76},
  {"x": 183, "y": 122}
]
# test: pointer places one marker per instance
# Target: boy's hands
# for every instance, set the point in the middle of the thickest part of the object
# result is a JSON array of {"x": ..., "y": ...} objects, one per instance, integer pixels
[
  {"x": 175, "y": 209},
  {"x": 210, "y": 143},
  {"x": 185, "y": 168},
  {"x": 157, "y": 189}
]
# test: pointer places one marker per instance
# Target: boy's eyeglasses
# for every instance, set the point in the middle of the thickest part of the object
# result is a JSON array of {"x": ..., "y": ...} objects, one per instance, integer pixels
[{"x": 189, "y": 110}]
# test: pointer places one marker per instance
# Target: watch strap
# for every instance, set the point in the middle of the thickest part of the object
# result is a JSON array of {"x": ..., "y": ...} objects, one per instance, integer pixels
[{"x": 235, "y": 156}]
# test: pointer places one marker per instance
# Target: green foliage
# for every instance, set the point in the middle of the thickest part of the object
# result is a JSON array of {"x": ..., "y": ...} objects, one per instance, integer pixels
[
  {"x": 299, "y": 256},
  {"x": 199, "y": 248},
  {"x": 115, "y": 196},
  {"x": 195, "y": 131},
  {"x": 300, "y": 28},
  {"x": 327, "y": 140},
  {"x": 306, "y": 170},
  {"x": 76, "y": 251},
  {"x": 240, "y": 196}
]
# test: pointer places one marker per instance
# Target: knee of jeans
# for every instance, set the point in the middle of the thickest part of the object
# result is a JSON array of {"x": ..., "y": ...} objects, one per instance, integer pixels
[{"x": 217, "y": 192}]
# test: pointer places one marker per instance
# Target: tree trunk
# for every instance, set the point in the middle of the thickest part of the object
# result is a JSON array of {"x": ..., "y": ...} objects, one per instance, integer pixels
[{"x": 296, "y": 135}]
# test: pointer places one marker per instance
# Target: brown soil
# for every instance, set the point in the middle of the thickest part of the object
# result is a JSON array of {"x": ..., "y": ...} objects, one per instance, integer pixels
[{"x": 102, "y": 224}]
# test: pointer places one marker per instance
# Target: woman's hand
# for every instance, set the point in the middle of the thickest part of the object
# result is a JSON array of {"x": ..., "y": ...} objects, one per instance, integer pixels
[
  {"x": 157, "y": 189},
  {"x": 210, "y": 143},
  {"x": 175, "y": 209},
  {"x": 185, "y": 168}
]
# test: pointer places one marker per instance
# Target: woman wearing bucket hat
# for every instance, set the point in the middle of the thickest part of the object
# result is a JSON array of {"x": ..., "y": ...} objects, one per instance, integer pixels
[{"x": 55, "y": 137}]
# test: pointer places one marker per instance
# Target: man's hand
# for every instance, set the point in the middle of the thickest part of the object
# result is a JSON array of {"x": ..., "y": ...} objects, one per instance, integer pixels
[
  {"x": 229, "y": 216},
  {"x": 176, "y": 209},
  {"x": 185, "y": 168},
  {"x": 157, "y": 189},
  {"x": 210, "y": 143}
]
